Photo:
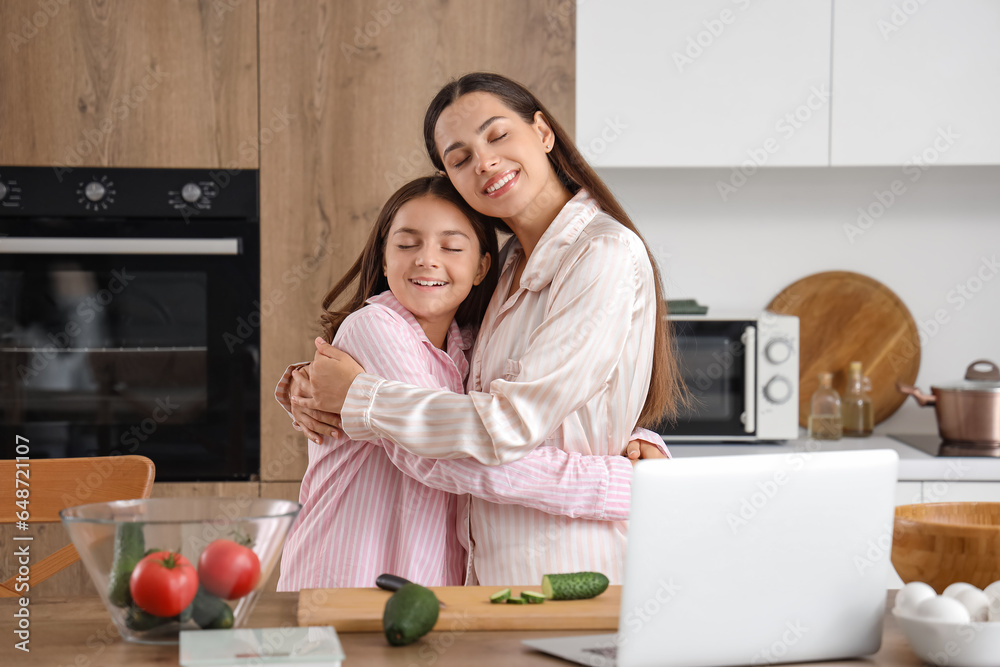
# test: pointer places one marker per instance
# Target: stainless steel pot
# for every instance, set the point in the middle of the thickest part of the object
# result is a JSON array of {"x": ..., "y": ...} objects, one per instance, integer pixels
[{"x": 968, "y": 411}]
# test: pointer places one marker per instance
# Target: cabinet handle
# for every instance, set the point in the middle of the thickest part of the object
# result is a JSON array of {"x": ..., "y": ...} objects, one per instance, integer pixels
[{"x": 91, "y": 246}]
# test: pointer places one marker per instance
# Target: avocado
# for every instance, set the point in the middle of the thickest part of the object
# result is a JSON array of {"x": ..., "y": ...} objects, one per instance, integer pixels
[
  {"x": 129, "y": 550},
  {"x": 574, "y": 585},
  {"x": 409, "y": 614}
]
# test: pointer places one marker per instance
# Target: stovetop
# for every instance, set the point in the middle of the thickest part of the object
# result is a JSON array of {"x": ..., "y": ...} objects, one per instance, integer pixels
[{"x": 935, "y": 446}]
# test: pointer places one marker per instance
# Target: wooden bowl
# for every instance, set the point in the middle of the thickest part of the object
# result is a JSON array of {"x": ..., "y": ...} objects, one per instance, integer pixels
[{"x": 943, "y": 543}]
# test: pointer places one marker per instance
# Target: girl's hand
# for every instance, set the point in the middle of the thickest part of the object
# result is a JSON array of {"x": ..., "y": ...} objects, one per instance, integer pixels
[
  {"x": 331, "y": 375},
  {"x": 639, "y": 449},
  {"x": 314, "y": 423}
]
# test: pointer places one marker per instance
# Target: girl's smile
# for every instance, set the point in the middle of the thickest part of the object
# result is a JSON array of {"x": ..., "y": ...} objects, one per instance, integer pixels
[{"x": 432, "y": 260}]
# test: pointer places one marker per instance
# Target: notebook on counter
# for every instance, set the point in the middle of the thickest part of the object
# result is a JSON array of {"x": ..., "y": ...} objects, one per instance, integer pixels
[
  {"x": 302, "y": 647},
  {"x": 750, "y": 560}
]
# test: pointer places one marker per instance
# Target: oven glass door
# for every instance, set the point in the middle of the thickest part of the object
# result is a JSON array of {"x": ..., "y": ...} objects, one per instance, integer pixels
[
  {"x": 138, "y": 345},
  {"x": 713, "y": 361}
]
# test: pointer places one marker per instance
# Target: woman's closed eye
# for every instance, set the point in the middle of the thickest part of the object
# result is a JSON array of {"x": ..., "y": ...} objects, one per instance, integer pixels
[{"x": 498, "y": 138}]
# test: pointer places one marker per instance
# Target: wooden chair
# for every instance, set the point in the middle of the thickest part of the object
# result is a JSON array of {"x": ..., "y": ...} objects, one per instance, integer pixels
[{"x": 55, "y": 484}]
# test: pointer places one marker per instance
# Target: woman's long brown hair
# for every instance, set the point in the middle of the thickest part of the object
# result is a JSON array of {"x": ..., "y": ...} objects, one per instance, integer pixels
[
  {"x": 367, "y": 270},
  {"x": 666, "y": 388}
]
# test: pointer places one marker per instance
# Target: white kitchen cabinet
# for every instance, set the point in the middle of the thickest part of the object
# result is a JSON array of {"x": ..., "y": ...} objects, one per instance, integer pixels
[
  {"x": 915, "y": 83},
  {"x": 708, "y": 83},
  {"x": 957, "y": 492}
]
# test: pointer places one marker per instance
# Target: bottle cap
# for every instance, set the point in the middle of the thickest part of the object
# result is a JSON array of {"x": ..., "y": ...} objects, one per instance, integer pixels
[
  {"x": 855, "y": 367},
  {"x": 826, "y": 379}
]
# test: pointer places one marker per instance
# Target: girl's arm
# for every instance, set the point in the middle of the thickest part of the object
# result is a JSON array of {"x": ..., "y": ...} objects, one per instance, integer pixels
[{"x": 591, "y": 314}]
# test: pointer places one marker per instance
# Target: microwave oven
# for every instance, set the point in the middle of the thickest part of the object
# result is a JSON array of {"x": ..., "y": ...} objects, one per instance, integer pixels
[{"x": 743, "y": 376}]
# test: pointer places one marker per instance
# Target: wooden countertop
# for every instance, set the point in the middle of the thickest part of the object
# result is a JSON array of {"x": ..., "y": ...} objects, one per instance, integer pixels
[{"x": 78, "y": 631}]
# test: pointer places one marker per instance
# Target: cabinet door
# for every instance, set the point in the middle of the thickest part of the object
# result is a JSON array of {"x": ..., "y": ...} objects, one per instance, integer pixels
[
  {"x": 706, "y": 83},
  {"x": 916, "y": 82},
  {"x": 961, "y": 492},
  {"x": 158, "y": 83}
]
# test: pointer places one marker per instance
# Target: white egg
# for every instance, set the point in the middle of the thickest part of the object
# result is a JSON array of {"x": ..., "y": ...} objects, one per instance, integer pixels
[
  {"x": 956, "y": 588},
  {"x": 976, "y": 602},
  {"x": 992, "y": 593},
  {"x": 946, "y": 610},
  {"x": 911, "y": 595}
]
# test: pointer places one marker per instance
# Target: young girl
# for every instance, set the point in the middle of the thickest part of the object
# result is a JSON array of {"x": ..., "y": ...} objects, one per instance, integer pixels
[{"x": 426, "y": 272}]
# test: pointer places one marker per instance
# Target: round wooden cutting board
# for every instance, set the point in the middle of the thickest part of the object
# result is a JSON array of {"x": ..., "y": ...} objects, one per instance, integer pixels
[{"x": 845, "y": 317}]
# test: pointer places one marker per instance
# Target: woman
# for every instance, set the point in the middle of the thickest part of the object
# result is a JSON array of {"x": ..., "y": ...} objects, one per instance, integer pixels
[{"x": 573, "y": 347}]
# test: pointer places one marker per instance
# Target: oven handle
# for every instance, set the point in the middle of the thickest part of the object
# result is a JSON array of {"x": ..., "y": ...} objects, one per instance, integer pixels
[
  {"x": 749, "y": 340},
  {"x": 101, "y": 246}
]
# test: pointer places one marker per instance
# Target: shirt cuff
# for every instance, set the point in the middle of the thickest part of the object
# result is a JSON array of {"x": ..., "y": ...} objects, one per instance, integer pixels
[
  {"x": 618, "y": 498},
  {"x": 356, "y": 413},
  {"x": 652, "y": 438}
]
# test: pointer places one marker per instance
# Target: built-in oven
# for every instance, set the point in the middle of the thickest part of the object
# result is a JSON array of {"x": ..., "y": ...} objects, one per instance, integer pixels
[
  {"x": 129, "y": 317},
  {"x": 743, "y": 375}
]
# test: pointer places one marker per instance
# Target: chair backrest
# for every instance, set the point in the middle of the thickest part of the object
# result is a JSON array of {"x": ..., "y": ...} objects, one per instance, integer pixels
[{"x": 35, "y": 490}]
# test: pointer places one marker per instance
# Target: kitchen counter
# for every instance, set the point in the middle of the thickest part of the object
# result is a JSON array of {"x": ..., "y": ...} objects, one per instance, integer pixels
[
  {"x": 79, "y": 632},
  {"x": 914, "y": 465}
]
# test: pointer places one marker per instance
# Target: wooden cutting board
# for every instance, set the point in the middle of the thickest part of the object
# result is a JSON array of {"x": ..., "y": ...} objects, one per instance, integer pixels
[
  {"x": 845, "y": 317},
  {"x": 467, "y": 608}
]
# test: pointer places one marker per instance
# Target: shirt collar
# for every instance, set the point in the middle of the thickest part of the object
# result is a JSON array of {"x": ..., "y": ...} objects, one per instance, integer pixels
[
  {"x": 456, "y": 339},
  {"x": 561, "y": 233}
]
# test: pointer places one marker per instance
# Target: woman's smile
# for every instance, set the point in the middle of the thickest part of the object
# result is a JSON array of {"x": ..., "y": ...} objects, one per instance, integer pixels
[{"x": 501, "y": 184}]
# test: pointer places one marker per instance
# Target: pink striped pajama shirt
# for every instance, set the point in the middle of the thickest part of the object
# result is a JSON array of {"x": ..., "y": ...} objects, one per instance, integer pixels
[
  {"x": 363, "y": 515},
  {"x": 565, "y": 361}
]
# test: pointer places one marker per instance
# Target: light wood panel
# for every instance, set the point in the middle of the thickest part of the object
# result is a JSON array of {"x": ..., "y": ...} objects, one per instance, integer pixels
[
  {"x": 158, "y": 83},
  {"x": 357, "y": 104}
]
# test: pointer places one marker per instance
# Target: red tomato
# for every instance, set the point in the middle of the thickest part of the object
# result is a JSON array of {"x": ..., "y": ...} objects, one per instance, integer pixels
[
  {"x": 164, "y": 583},
  {"x": 228, "y": 570}
]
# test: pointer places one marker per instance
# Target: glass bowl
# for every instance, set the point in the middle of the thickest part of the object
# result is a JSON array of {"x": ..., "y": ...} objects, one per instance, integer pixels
[{"x": 112, "y": 537}]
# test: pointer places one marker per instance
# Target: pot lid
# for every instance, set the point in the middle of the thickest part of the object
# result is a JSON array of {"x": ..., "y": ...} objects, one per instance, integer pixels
[{"x": 981, "y": 375}]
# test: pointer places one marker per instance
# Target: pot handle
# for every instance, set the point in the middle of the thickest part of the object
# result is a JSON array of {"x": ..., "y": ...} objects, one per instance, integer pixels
[
  {"x": 972, "y": 373},
  {"x": 923, "y": 399}
]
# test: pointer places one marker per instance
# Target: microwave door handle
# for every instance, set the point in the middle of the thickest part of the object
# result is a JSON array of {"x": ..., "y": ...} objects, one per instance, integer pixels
[
  {"x": 749, "y": 339},
  {"x": 102, "y": 246}
]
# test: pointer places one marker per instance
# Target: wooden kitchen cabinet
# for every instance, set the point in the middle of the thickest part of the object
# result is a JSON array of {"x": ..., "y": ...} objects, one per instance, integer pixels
[
  {"x": 916, "y": 83},
  {"x": 700, "y": 84},
  {"x": 354, "y": 79},
  {"x": 158, "y": 83}
]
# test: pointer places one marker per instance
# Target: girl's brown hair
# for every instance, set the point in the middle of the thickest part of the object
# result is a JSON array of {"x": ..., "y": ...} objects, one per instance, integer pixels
[
  {"x": 666, "y": 389},
  {"x": 367, "y": 270}
]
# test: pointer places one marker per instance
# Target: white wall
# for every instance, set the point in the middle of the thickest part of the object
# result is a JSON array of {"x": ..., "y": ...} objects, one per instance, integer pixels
[{"x": 784, "y": 224}]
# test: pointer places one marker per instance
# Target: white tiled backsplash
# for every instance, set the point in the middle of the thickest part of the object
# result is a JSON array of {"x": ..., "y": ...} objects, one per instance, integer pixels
[{"x": 935, "y": 241}]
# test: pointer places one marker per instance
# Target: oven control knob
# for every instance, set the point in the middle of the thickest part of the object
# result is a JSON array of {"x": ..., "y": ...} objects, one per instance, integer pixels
[
  {"x": 3, "y": 191},
  {"x": 778, "y": 351},
  {"x": 778, "y": 390},
  {"x": 191, "y": 193},
  {"x": 94, "y": 191}
]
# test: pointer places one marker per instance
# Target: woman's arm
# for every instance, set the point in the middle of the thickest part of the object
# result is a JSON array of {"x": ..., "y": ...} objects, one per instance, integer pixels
[{"x": 567, "y": 360}]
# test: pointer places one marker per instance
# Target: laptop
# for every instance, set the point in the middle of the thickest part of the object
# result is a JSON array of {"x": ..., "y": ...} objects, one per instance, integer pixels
[{"x": 750, "y": 560}]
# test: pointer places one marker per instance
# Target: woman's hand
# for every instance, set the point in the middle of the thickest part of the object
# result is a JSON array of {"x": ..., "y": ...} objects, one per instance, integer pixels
[
  {"x": 331, "y": 374},
  {"x": 314, "y": 423},
  {"x": 640, "y": 449}
]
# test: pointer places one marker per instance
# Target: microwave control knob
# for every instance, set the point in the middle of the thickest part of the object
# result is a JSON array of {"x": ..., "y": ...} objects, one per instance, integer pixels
[
  {"x": 190, "y": 193},
  {"x": 94, "y": 191},
  {"x": 3, "y": 191},
  {"x": 778, "y": 390},
  {"x": 778, "y": 351}
]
